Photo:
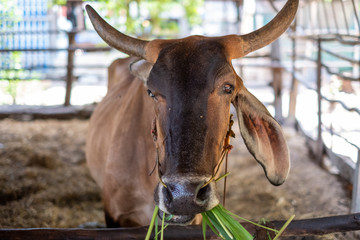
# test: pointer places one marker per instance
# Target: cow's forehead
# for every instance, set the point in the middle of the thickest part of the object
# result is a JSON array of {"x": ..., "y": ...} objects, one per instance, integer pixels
[{"x": 188, "y": 65}]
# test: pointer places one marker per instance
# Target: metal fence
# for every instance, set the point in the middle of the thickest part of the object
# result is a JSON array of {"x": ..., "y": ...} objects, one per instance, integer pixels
[
  {"x": 27, "y": 25},
  {"x": 30, "y": 42},
  {"x": 326, "y": 26}
]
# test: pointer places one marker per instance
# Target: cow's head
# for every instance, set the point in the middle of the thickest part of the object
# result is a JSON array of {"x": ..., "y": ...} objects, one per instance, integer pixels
[{"x": 192, "y": 84}]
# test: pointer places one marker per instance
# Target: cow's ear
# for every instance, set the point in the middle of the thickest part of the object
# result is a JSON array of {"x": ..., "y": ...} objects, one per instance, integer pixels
[
  {"x": 263, "y": 136},
  {"x": 141, "y": 69}
]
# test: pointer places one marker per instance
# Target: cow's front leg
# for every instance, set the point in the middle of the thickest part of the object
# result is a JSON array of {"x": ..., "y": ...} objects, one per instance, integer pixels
[{"x": 126, "y": 206}]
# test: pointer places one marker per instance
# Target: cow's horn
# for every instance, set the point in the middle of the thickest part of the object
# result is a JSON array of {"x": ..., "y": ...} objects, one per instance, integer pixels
[
  {"x": 122, "y": 42},
  {"x": 240, "y": 45}
]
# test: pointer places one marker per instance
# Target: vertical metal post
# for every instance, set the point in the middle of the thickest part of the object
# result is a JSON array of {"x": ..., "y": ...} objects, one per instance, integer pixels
[
  {"x": 294, "y": 82},
  {"x": 277, "y": 79},
  {"x": 356, "y": 15},
  {"x": 319, "y": 142},
  {"x": 355, "y": 205},
  {"x": 70, "y": 67}
]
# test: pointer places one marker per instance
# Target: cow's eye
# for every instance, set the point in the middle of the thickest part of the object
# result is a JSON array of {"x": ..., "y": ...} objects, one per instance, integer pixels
[
  {"x": 228, "y": 89},
  {"x": 150, "y": 93}
]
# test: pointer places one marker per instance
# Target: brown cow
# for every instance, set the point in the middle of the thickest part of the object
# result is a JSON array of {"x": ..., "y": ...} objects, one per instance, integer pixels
[{"x": 191, "y": 84}]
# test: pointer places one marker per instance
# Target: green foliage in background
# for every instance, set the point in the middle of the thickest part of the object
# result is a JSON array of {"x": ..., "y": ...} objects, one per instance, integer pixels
[
  {"x": 14, "y": 58},
  {"x": 9, "y": 11},
  {"x": 12, "y": 76},
  {"x": 147, "y": 17}
]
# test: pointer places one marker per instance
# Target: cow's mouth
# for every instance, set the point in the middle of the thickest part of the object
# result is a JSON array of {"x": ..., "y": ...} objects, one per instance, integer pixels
[{"x": 176, "y": 219}]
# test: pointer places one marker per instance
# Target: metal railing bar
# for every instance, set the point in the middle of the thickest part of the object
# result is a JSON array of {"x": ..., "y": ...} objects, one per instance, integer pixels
[
  {"x": 331, "y": 131},
  {"x": 257, "y": 56},
  {"x": 265, "y": 65},
  {"x": 88, "y": 49},
  {"x": 33, "y": 78},
  {"x": 327, "y": 68},
  {"x": 340, "y": 38},
  {"x": 329, "y": 37},
  {"x": 300, "y": 79},
  {"x": 52, "y": 67},
  {"x": 351, "y": 60},
  {"x": 63, "y": 78},
  {"x": 356, "y": 15},
  {"x": 353, "y": 109},
  {"x": 32, "y": 32},
  {"x": 14, "y": 32},
  {"x": 344, "y": 13}
]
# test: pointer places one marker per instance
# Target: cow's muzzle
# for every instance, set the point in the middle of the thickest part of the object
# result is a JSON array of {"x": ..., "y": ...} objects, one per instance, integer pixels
[{"x": 184, "y": 197}]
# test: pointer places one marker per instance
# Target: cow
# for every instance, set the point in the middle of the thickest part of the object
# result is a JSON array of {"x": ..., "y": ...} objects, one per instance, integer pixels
[{"x": 159, "y": 133}]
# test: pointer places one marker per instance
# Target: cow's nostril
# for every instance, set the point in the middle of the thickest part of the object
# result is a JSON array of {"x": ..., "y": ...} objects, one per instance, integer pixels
[
  {"x": 203, "y": 194},
  {"x": 167, "y": 194}
]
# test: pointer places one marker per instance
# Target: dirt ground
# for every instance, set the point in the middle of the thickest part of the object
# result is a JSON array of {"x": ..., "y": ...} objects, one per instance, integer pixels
[{"x": 44, "y": 181}]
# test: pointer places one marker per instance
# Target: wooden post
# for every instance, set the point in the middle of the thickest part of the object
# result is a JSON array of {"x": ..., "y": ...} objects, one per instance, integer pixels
[
  {"x": 294, "y": 82},
  {"x": 319, "y": 142},
  {"x": 355, "y": 206},
  {"x": 277, "y": 79},
  {"x": 70, "y": 67}
]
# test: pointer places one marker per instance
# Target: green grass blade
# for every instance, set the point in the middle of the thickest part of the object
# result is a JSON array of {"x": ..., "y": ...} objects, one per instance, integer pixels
[
  {"x": 225, "y": 224},
  {"x": 156, "y": 228},
  {"x": 162, "y": 226},
  {"x": 208, "y": 222},
  {"x": 235, "y": 227},
  {"x": 219, "y": 227},
  {"x": 156, "y": 210},
  {"x": 284, "y": 227},
  {"x": 254, "y": 223},
  {"x": 203, "y": 223},
  {"x": 159, "y": 233},
  {"x": 218, "y": 218},
  {"x": 223, "y": 176}
]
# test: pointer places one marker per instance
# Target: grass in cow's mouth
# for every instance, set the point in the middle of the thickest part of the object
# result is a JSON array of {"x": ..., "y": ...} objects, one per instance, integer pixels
[
  {"x": 223, "y": 224},
  {"x": 221, "y": 221}
]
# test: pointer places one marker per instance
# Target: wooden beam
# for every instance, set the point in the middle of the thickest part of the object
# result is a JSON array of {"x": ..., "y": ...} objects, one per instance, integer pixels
[{"x": 26, "y": 113}]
